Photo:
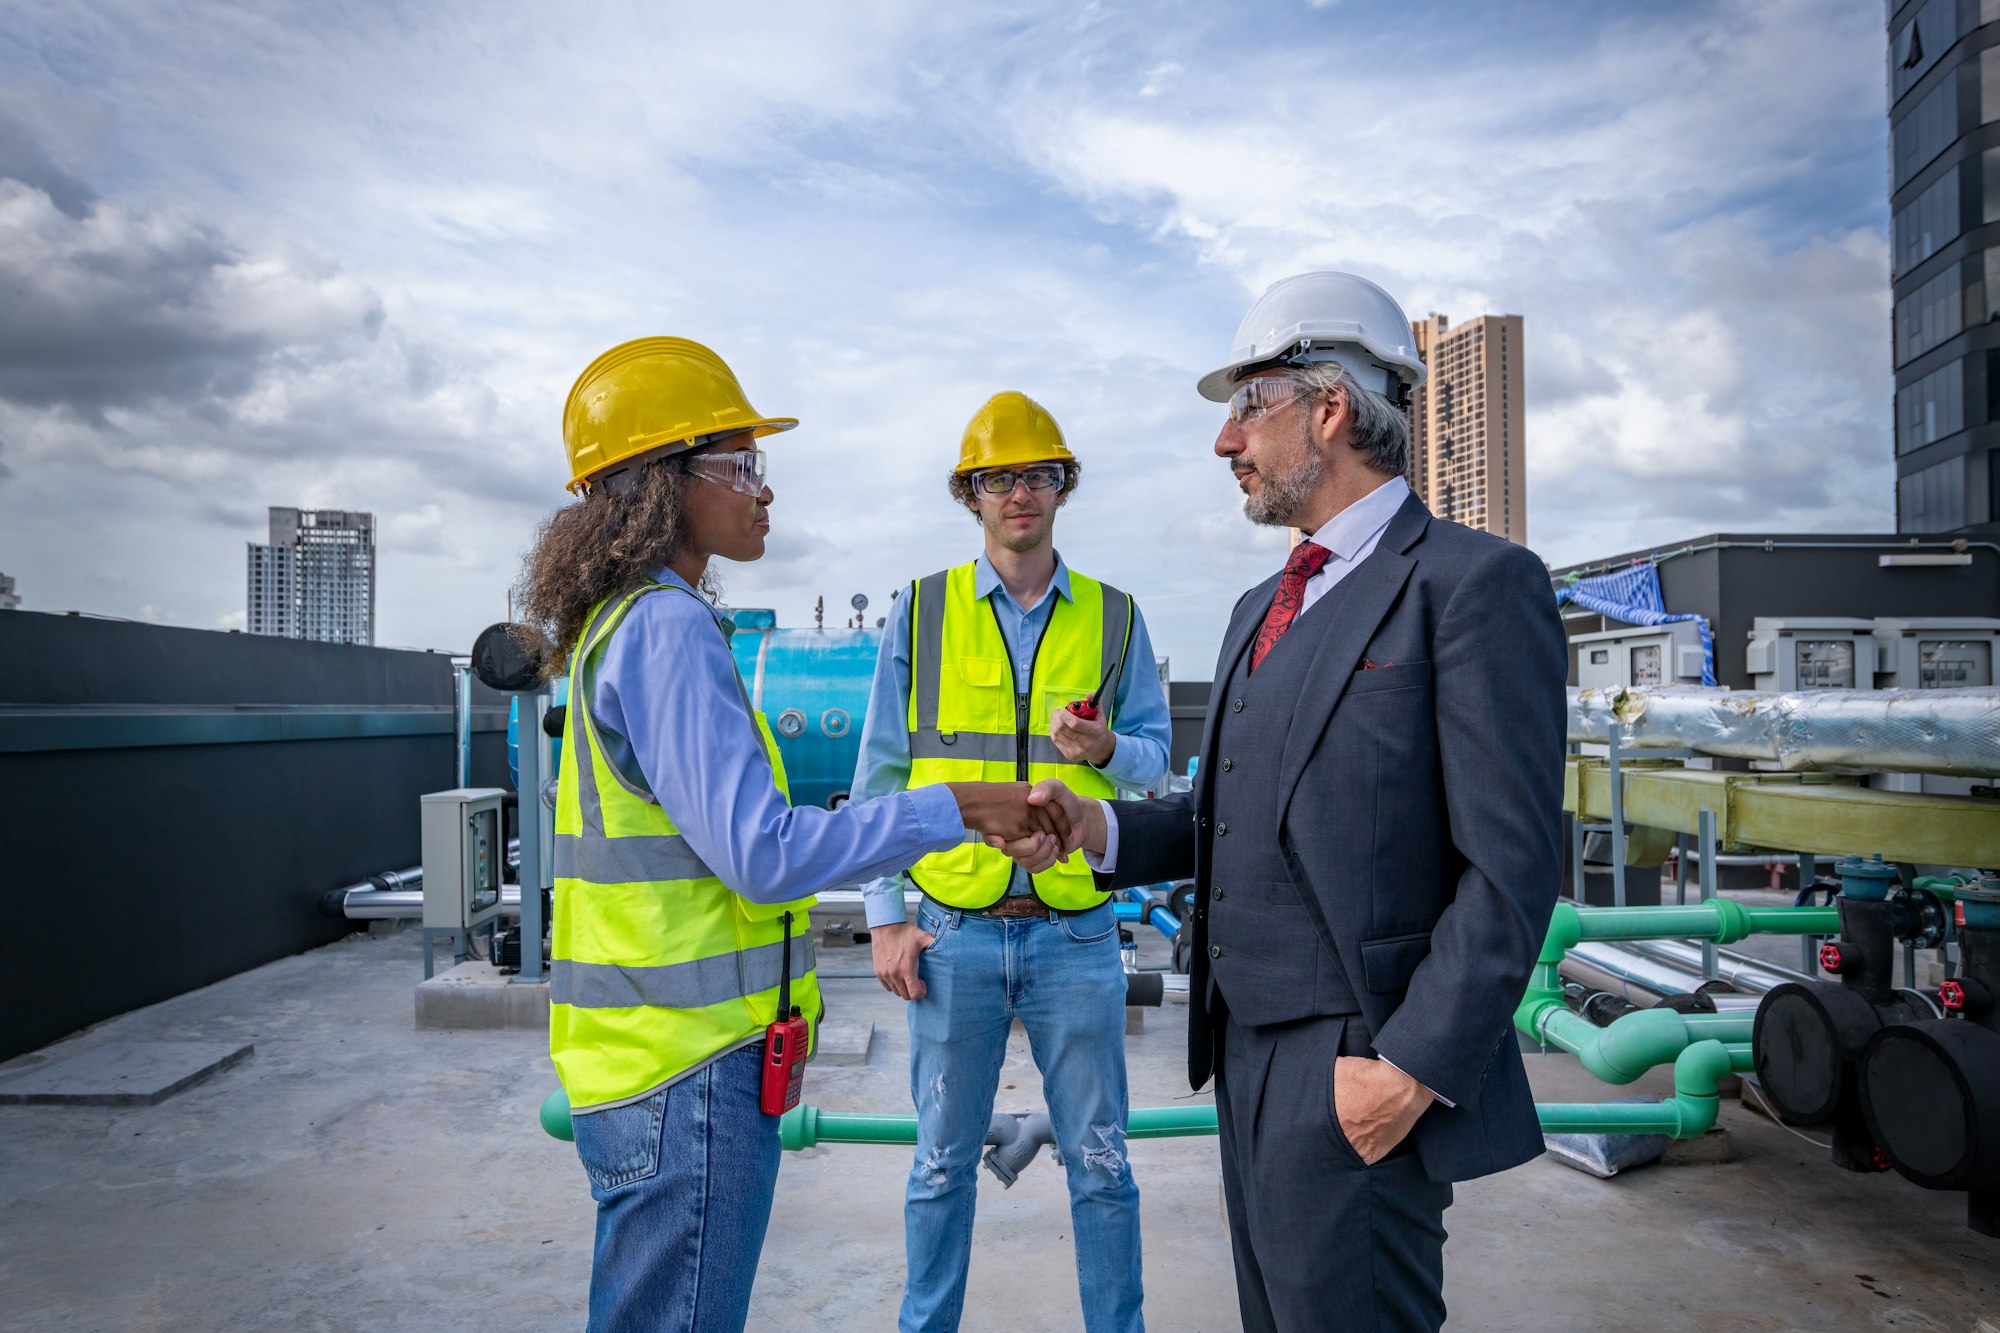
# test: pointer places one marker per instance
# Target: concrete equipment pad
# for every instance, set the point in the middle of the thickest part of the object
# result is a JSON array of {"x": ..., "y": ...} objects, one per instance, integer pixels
[
  {"x": 844, "y": 1042},
  {"x": 475, "y": 995},
  {"x": 121, "y": 1073}
]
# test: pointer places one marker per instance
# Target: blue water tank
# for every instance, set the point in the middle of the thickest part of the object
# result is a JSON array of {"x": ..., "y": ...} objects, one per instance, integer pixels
[
  {"x": 811, "y": 683},
  {"x": 561, "y": 696}
]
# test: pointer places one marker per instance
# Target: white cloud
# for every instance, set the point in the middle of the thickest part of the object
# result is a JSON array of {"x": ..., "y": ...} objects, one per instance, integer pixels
[{"x": 359, "y": 271}]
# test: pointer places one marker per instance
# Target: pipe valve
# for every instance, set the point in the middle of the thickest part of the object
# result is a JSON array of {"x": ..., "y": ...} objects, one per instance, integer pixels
[
  {"x": 1963, "y": 995},
  {"x": 1836, "y": 960}
]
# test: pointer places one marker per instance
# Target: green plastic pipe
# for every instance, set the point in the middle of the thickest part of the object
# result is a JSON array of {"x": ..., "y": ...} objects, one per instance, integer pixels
[
  {"x": 1690, "y": 1112},
  {"x": 1630, "y": 1045},
  {"x": 805, "y": 1125}
]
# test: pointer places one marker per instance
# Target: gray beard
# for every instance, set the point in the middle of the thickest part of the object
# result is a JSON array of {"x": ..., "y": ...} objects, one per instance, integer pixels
[{"x": 1282, "y": 494}]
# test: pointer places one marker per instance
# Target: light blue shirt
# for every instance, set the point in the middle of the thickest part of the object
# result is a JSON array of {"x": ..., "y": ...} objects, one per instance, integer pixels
[
  {"x": 670, "y": 709},
  {"x": 1140, "y": 718}
]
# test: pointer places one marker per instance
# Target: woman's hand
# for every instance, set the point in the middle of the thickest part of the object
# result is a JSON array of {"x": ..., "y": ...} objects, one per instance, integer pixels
[{"x": 1001, "y": 810}]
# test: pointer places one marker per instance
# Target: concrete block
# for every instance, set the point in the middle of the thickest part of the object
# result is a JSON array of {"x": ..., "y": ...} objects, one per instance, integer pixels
[
  {"x": 122, "y": 1073},
  {"x": 844, "y": 1043},
  {"x": 1135, "y": 1020},
  {"x": 476, "y": 995},
  {"x": 1988, "y": 1323},
  {"x": 1711, "y": 1149}
]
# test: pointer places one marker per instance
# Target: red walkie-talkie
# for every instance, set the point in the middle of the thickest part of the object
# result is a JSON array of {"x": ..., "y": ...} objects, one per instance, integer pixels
[{"x": 785, "y": 1043}]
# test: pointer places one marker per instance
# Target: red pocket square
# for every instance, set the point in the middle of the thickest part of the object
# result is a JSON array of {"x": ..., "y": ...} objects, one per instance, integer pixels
[{"x": 1367, "y": 665}]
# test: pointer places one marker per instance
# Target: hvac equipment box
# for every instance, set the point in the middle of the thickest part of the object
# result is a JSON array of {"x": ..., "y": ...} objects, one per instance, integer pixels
[
  {"x": 1935, "y": 652},
  {"x": 1811, "y": 653},
  {"x": 464, "y": 856},
  {"x": 1667, "y": 654}
]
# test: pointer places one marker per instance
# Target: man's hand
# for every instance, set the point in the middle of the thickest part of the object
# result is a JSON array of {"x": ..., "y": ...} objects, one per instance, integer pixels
[
  {"x": 897, "y": 948},
  {"x": 1004, "y": 810},
  {"x": 1082, "y": 742},
  {"x": 1377, "y": 1103},
  {"x": 1039, "y": 851}
]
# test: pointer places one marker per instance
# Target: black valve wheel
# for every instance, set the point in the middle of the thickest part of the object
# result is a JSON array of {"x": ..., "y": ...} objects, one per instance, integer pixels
[{"x": 1806, "y": 1039}]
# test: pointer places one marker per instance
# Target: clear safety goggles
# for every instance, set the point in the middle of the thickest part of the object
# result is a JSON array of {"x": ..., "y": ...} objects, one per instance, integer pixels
[
  {"x": 1253, "y": 398},
  {"x": 741, "y": 471},
  {"x": 1041, "y": 477}
]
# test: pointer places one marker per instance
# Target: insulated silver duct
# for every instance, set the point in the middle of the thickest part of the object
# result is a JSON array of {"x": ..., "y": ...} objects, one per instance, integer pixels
[{"x": 1953, "y": 732}]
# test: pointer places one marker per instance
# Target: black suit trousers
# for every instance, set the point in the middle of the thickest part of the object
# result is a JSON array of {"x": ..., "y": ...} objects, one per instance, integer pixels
[{"x": 1321, "y": 1241}]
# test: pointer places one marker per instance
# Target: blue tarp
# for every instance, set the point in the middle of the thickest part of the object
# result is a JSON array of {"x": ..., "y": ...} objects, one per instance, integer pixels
[{"x": 1633, "y": 596}]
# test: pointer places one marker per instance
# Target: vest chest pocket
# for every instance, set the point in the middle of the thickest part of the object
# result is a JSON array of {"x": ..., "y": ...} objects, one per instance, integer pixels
[
  {"x": 1056, "y": 697},
  {"x": 982, "y": 673}
]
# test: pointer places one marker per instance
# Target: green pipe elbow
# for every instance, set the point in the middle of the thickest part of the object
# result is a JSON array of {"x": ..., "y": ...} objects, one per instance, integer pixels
[{"x": 555, "y": 1116}]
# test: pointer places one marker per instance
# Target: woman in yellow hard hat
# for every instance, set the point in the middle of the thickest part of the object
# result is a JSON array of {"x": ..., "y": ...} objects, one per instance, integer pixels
[{"x": 682, "y": 874}]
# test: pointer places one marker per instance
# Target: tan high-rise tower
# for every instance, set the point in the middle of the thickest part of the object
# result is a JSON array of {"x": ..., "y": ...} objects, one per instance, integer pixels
[{"x": 1468, "y": 424}]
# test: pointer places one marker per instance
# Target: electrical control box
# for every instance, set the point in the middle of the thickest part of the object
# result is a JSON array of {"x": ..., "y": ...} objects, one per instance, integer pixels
[
  {"x": 464, "y": 855},
  {"x": 1667, "y": 654},
  {"x": 1811, "y": 653},
  {"x": 1935, "y": 652}
]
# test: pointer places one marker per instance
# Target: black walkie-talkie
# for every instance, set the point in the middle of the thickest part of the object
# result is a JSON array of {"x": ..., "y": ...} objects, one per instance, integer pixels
[{"x": 785, "y": 1043}]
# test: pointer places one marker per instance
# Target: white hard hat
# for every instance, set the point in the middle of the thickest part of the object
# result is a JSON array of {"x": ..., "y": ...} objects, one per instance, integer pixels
[{"x": 1324, "y": 317}]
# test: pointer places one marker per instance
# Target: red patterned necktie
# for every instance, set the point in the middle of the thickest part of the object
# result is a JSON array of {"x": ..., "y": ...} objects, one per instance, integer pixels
[{"x": 1306, "y": 560}]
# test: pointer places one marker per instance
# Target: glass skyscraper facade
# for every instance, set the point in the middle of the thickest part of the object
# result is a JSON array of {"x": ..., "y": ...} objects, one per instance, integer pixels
[{"x": 1944, "y": 199}]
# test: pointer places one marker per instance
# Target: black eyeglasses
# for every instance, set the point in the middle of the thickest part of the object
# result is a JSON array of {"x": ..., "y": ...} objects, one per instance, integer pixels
[{"x": 1044, "y": 478}]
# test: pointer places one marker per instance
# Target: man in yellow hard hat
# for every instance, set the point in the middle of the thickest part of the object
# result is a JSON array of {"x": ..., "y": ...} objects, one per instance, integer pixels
[{"x": 977, "y": 672}]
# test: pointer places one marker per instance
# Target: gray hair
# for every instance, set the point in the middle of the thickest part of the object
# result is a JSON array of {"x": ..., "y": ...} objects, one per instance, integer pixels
[{"x": 1381, "y": 429}]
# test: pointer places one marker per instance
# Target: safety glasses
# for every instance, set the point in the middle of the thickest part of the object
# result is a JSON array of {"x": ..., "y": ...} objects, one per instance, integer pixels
[
  {"x": 1253, "y": 398},
  {"x": 741, "y": 471},
  {"x": 1044, "y": 477}
]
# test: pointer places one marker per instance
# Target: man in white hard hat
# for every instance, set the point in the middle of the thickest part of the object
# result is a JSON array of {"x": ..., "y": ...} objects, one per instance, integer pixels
[{"x": 1374, "y": 836}]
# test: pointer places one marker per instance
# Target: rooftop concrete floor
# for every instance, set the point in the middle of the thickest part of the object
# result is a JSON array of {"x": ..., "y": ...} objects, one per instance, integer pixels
[{"x": 358, "y": 1174}]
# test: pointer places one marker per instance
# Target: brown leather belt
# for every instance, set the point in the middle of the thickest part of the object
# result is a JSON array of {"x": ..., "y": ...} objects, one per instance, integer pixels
[{"x": 1020, "y": 904}]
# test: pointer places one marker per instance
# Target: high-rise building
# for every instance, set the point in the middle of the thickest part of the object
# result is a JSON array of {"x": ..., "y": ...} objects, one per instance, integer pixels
[
  {"x": 316, "y": 577},
  {"x": 1944, "y": 248},
  {"x": 1468, "y": 424},
  {"x": 8, "y": 601}
]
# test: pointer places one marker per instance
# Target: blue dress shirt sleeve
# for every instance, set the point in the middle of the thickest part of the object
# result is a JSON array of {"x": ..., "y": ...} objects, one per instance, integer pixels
[
  {"x": 883, "y": 766},
  {"x": 667, "y": 686},
  {"x": 1140, "y": 718}
]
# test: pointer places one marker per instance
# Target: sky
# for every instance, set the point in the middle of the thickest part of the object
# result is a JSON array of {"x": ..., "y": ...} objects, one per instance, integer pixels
[{"x": 353, "y": 256}]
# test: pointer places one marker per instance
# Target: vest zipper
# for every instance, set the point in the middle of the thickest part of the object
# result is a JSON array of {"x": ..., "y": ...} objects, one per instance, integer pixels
[{"x": 1020, "y": 698}]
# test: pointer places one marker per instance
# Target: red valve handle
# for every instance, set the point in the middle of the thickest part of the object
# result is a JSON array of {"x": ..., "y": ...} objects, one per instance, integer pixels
[
  {"x": 1951, "y": 996},
  {"x": 1831, "y": 958}
]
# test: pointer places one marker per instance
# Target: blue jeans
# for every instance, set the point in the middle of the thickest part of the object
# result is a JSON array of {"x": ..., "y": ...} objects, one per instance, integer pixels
[
  {"x": 683, "y": 1182},
  {"x": 1062, "y": 978}
]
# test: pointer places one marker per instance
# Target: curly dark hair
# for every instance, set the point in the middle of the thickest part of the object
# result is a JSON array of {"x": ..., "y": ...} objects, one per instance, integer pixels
[
  {"x": 597, "y": 546},
  {"x": 960, "y": 485}
]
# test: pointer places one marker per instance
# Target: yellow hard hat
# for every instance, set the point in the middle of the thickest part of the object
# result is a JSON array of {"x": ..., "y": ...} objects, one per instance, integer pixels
[
  {"x": 1009, "y": 429},
  {"x": 648, "y": 394}
]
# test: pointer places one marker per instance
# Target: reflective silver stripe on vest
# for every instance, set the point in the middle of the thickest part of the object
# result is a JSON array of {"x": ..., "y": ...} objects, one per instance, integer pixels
[
  {"x": 690, "y": 985},
  {"x": 1117, "y": 633},
  {"x": 990, "y": 747},
  {"x": 927, "y": 650},
  {"x": 596, "y": 859}
]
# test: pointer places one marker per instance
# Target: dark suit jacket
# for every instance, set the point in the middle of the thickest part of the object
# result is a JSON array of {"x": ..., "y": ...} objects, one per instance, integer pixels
[{"x": 1421, "y": 818}]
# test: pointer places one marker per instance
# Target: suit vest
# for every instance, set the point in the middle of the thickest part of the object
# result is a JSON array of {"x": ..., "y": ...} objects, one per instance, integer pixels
[{"x": 1266, "y": 956}]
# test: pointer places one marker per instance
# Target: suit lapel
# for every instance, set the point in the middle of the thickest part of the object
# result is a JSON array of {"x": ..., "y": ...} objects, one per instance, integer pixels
[{"x": 1371, "y": 590}]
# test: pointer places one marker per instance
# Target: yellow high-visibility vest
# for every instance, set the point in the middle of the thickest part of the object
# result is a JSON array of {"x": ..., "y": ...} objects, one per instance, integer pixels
[
  {"x": 656, "y": 967},
  {"x": 971, "y": 721}
]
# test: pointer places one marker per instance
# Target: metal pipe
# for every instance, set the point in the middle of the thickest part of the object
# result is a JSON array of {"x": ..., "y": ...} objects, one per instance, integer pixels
[
  {"x": 1738, "y": 969},
  {"x": 1947, "y": 731}
]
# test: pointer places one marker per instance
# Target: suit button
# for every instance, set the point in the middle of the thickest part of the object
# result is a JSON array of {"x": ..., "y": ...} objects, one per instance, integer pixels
[
  {"x": 1228, "y": 764},
  {"x": 1215, "y": 951},
  {"x": 1215, "y": 895},
  {"x": 1236, "y": 707},
  {"x": 1222, "y": 830}
]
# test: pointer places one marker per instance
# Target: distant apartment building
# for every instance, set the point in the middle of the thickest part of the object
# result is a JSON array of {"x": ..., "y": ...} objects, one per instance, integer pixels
[
  {"x": 316, "y": 577},
  {"x": 1468, "y": 424},
  {"x": 1944, "y": 262},
  {"x": 8, "y": 601}
]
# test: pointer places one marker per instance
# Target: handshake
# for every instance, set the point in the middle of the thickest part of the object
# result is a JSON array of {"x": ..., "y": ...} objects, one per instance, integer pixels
[{"x": 1036, "y": 826}]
